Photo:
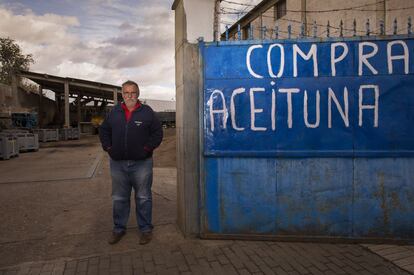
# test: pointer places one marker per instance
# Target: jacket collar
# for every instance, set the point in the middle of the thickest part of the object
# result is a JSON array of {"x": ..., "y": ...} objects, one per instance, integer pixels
[{"x": 118, "y": 107}]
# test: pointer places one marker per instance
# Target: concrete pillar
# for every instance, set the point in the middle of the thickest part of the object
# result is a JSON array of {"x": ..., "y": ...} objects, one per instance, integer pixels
[
  {"x": 193, "y": 19},
  {"x": 115, "y": 97},
  {"x": 56, "y": 118},
  {"x": 67, "y": 119},
  {"x": 217, "y": 20},
  {"x": 79, "y": 105},
  {"x": 15, "y": 91},
  {"x": 40, "y": 109}
]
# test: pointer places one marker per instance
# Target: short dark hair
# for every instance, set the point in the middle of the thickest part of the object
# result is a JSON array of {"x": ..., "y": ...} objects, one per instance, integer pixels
[{"x": 131, "y": 83}]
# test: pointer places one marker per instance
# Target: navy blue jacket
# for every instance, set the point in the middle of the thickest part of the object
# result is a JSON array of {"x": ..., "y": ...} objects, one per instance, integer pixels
[{"x": 132, "y": 140}]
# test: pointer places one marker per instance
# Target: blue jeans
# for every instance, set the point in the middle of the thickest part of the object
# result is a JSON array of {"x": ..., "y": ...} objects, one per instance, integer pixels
[{"x": 128, "y": 174}]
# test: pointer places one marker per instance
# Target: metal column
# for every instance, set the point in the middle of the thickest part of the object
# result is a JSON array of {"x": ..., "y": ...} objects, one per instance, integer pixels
[
  {"x": 115, "y": 97},
  {"x": 15, "y": 90},
  {"x": 79, "y": 104},
  {"x": 40, "y": 112},
  {"x": 67, "y": 120}
]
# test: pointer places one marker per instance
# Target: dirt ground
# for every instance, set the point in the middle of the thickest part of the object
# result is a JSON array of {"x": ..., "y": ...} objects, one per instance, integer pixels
[
  {"x": 56, "y": 213},
  {"x": 165, "y": 155},
  {"x": 56, "y": 203}
]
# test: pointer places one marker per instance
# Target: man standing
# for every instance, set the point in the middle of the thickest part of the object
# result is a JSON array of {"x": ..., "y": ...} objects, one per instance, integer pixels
[{"x": 129, "y": 134}]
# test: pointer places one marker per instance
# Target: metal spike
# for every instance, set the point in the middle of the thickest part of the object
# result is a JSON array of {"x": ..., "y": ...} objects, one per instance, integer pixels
[
  {"x": 354, "y": 27},
  {"x": 328, "y": 29},
  {"x": 315, "y": 29},
  {"x": 395, "y": 26},
  {"x": 227, "y": 33},
  {"x": 302, "y": 30},
  {"x": 238, "y": 31},
  {"x": 367, "y": 26},
  {"x": 382, "y": 27},
  {"x": 289, "y": 31},
  {"x": 264, "y": 32},
  {"x": 409, "y": 25},
  {"x": 276, "y": 31},
  {"x": 341, "y": 28}
]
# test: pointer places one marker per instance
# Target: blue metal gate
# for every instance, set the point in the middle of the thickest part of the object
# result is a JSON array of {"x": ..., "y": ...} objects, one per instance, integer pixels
[{"x": 310, "y": 138}]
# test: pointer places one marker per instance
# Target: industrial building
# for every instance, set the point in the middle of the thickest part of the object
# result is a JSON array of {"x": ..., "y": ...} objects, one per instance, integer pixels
[
  {"x": 51, "y": 108},
  {"x": 272, "y": 19}
]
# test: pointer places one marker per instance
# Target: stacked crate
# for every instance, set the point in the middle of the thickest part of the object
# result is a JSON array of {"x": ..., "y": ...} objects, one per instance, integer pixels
[
  {"x": 46, "y": 135},
  {"x": 25, "y": 140},
  {"x": 64, "y": 133},
  {"x": 8, "y": 146},
  {"x": 68, "y": 133},
  {"x": 74, "y": 133}
]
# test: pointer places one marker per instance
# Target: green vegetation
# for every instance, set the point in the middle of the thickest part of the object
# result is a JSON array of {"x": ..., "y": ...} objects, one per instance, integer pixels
[{"x": 12, "y": 59}]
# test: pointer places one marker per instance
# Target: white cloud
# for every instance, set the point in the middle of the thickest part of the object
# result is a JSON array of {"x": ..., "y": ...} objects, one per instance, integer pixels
[
  {"x": 36, "y": 29},
  {"x": 103, "y": 48},
  {"x": 157, "y": 92}
]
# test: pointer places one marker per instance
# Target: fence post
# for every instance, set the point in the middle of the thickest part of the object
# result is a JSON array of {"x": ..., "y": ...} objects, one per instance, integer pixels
[
  {"x": 354, "y": 27},
  {"x": 289, "y": 31},
  {"x": 341, "y": 28},
  {"x": 395, "y": 26},
  {"x": 367, "y": 26},
  {"x": 302, "y": 30},
  {"x": 382, "y": 27},
  {"x": 328, "y": 29},
  {"x": 227, "y": 33},
  {"x": 277, "y": 31}
]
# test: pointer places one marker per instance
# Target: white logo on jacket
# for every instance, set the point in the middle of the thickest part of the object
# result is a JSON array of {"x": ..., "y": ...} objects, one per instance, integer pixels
[{"x": 138, "y": 123}]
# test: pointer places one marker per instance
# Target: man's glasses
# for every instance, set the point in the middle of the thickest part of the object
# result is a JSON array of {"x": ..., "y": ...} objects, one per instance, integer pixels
[{"x": 134, "y": 94}]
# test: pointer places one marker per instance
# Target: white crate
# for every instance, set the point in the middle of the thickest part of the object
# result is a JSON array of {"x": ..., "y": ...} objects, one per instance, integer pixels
[
  {"x": 8, "y": 146},
  {"x": 46, "y": 135}
]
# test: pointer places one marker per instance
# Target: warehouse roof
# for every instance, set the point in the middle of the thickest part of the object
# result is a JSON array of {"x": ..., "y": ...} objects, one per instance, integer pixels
[{"x": 76, "y": 86}]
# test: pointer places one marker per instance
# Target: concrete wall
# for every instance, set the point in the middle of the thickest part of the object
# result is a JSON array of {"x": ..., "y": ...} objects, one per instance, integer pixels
[
  {"x": 6, "y": 99},
  {"x": 25, "y": 102},
  {"x": 375, "y": 13},
  {"x": 368, "y": 9},
  {"x": 193, "y": 19}
]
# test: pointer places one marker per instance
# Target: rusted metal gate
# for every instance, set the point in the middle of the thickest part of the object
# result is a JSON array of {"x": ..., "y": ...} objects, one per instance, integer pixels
[{"x": 308, "y": 138}]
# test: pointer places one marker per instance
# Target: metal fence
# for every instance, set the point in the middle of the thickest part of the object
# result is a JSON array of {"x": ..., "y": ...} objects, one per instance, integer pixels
[
  {"x": 270, "y": 172},
  {"x": 329, "y": 30}
]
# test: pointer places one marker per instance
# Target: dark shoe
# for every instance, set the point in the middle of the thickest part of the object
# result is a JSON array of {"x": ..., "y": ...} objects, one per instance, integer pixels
[
  {"x": 115, "y": 237},
  {"x": 146, "y": 237}
]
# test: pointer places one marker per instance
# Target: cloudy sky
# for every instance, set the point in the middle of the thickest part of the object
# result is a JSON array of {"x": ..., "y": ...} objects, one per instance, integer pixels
[
  {"x": 102, "y": 40},
  {"x": 108, "y": 41}
]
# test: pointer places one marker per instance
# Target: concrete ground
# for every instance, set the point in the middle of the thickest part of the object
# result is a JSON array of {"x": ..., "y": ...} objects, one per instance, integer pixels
[{"x": 55, "y": 206}]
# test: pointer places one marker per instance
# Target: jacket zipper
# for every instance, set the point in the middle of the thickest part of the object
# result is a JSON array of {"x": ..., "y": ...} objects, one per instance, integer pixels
[{"x": 126, "y": 136}]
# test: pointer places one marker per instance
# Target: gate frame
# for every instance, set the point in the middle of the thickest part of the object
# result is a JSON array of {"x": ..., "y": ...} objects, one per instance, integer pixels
[{"x": 202, "y": 181}]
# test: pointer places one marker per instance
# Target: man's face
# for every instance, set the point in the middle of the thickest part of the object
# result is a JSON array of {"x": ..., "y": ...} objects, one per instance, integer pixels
[{"x": 130, "y": 95}]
